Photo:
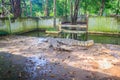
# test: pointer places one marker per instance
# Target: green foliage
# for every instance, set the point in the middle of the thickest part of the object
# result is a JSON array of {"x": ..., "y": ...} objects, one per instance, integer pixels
[
  {"x": 92, "y": 7},
  {"x": 86, "y": 6}
]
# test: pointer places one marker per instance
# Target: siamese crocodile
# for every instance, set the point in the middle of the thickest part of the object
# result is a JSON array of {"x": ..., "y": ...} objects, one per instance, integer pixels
[{"x": 71, "y": 42}]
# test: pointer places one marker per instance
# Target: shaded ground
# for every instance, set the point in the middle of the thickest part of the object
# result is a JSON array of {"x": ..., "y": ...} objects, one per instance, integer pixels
[{"x": 30, "y": 58}]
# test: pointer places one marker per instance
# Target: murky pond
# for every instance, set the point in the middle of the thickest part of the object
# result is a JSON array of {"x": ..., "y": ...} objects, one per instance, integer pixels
[{"x": 105, "y": 39}]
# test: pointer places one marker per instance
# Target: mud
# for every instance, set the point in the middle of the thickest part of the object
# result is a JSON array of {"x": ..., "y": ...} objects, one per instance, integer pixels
[{"x": 32, "y": 58}]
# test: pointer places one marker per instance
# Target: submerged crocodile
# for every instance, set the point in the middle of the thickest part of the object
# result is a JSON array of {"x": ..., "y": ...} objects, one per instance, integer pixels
[{"x": 71, "y": 42}]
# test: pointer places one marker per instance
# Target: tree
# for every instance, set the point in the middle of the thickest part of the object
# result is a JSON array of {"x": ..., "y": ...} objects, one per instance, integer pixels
[
  {"x": 54, "y": 9},
  {"x": 46, "y": 8},
  {"x": 17, "y": 8},
  {"x": 74, "y": 12},
  {"x": 30, "y": 8},
  {"x": 102, "y": 7},
  {"x": 118, "y": 7},
  {"x": 3, "y": 12},
  {"x": 24, "y": 8}
]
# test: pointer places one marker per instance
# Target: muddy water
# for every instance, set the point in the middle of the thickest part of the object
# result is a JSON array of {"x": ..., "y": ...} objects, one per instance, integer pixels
[{"x": 105, "y": 39}]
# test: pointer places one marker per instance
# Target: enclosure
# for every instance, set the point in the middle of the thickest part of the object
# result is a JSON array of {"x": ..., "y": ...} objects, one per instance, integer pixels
[{"x": 59, "y": 40}]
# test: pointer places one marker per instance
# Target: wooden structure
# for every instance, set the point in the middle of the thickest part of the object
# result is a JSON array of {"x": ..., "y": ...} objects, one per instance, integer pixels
[{"x": 75, "y": 31}]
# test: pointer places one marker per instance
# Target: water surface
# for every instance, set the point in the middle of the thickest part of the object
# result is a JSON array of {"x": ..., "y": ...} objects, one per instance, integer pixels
[{"x": 105, "y": 39}]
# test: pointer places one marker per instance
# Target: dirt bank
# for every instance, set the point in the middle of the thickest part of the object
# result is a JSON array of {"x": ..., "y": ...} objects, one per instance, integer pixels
[{"x": 32, "y": 58}]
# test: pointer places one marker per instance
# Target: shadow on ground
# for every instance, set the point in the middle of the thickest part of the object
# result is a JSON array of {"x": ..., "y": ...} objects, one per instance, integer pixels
[{"x": 16, "y": 67}]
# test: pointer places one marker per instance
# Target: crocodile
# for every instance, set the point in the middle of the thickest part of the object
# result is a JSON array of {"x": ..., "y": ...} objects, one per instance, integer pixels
[{"x": 70, "y": 42}]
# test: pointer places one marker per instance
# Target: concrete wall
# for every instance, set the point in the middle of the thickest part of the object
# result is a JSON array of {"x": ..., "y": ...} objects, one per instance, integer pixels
[
  {"x": 4, "y": 25},
  {"x": 47, "y": 22},
  {"x": 104, "y": 24},
  {"x": 98, "y": 24},
  {"x": 25, "y": 24}
]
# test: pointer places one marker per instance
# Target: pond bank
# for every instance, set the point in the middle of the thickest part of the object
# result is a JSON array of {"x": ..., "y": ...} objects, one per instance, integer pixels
[{"x": 39, "y": 61}]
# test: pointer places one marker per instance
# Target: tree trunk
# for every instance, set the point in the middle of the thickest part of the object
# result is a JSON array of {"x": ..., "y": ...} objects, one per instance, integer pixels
[
  {"x": 24, "y": 8},
  {"x": 118, "y": 7},
  {"x": 54, "y": 9},
  {"x": 3, "y": 12},
  {"x": 102, "y": 8},
  {"x": 71, "y": 9},
  {"x": 74, "y": 14},
  {"x": 12, "y": 6},
  {"x": 30, "y": 8},
  {"x": 17, "y": 8},
  {"x": 46, "y": 8},
  {"x": 66, "y": 1},
  {"x": 86, "y": 5}
]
